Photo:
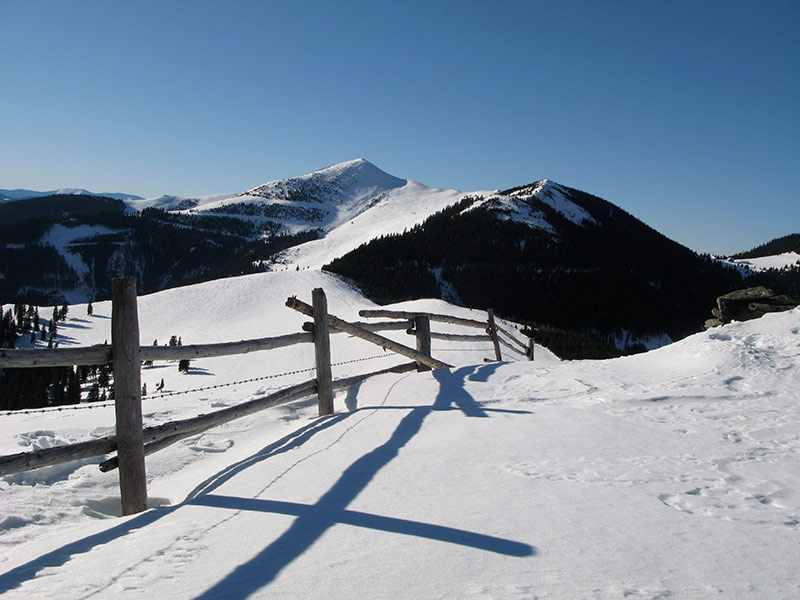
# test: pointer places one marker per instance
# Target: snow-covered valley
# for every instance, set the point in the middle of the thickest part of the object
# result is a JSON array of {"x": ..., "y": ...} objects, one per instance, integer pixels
[{"x": 672, "y": 473}]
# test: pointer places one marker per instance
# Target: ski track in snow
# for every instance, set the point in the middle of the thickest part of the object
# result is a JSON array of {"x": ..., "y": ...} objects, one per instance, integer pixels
[{"x": 670, "y": 474}]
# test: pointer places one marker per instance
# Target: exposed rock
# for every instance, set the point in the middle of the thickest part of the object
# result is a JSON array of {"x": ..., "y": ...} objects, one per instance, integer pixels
[{"x": 752, "y": 303}]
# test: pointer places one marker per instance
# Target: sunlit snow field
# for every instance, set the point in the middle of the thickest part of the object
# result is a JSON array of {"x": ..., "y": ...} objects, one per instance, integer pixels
[{"x": 674, "y": 473}]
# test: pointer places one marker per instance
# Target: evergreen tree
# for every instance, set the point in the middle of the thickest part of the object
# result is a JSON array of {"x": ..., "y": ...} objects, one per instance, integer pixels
[
  {"x": 73, "y": 388},
  {"x": 27, "y": 319},
  {"x": 183, "y": 366},
  {"x": 19, "y": 313},
  {"x": 102, "y": 377}
]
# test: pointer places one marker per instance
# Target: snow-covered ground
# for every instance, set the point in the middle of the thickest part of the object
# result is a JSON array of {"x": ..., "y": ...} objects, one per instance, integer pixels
[
  {"x": 762, "y": 263},
  {"x": 674, "y": 473},
  {"x": 401, "y": 208},
  {"x": 778, "y": 261}
]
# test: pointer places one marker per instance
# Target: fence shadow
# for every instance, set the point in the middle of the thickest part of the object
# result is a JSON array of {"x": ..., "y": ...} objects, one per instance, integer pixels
[
  {"x": 60, "y": 556},
  {"x": 314, "y": 520}
]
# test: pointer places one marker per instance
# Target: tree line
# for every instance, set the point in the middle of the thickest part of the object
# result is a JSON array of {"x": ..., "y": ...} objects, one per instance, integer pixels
[{"x": 55, "y": 386}]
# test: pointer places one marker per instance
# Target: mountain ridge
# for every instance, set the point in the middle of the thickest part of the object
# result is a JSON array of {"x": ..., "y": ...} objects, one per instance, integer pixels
[
  {"x": 537, "y": 240},
  {"x": 24, "y": 194}
]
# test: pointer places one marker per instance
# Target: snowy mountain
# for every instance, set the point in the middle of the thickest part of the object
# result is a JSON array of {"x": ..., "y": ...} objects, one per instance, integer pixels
[
  {"x": 541, "y": 252},
  {"x": 520, "y": 205},
  {"x": 350, "y": 203},
  {"x": 548, "y": 254},
  {"x": 667, "y": 474},
  {"x": 212, "y": 236},
  {"x": 10, "y": 195}
]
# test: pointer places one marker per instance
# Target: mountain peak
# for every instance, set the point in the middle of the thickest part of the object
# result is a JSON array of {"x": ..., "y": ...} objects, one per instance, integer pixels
[
  {"x": 354, "y": 178},
  {"x": 358, "y": 173},
  {"x": 555, "y": 196}
]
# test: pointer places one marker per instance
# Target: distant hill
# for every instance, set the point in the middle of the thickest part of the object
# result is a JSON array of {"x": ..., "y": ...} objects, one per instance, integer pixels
[
  {"x": 781, "y": 245},
  {"x": 546, "y": 253},
  {"x": 69, "y": 247},
  {"x": 58, "y": 206},
  {"x": 11, "y": 195}
]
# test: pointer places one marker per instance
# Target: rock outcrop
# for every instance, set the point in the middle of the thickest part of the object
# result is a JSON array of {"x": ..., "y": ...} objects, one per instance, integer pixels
[{"x": 752, "y": 303}]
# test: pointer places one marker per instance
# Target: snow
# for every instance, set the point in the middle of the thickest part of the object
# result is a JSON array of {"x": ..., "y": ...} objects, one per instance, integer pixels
[
  {"x": 512, "y": 209},
  {"x": 778, "y": 261},
  {"x": 351, "y": 203},
  {"x": 168, "y": 202},
  {"x": 674, "y": 473},
  {"x": 329, "y": 196},
  {"x": 62, "y": 237},
  {"x": 555, "y": 196},
  {"x": 400, "y": 208},
  {"x": 518, "y": 206}
]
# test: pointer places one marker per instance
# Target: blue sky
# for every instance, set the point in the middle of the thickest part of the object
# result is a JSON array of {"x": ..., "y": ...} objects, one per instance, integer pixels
[{"x": 685, "y": 114}]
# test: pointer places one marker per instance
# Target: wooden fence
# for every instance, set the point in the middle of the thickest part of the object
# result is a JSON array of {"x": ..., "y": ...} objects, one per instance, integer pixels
[{"x": 133, "y": 441}]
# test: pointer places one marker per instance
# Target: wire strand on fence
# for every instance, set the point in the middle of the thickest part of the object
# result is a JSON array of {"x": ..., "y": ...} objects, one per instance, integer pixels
[
  {"x": 47, "y": 409},
  {"x": 460, "y": 349},
  {"x": 222, "y": 385},
  {"x": 355, "y": 360}
]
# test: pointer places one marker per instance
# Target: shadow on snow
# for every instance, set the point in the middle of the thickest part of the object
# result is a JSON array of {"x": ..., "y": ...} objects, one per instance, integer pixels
[{"x": 312, "y": 521}]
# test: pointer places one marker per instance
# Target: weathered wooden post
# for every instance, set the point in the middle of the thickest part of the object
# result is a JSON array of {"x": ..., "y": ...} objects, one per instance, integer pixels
[
  {"x": 322, "y": 352},
  {"x": 529, "y": 353},
  {"x": 127, "y": 395},
  {"x": 422, "y": 327},
  {"x": 493, "y": 335}
]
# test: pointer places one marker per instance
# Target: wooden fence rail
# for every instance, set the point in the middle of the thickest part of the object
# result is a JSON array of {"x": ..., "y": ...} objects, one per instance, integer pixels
[
  {"x": 133, "y": 441},
  {"x": 490, "y": 326},
  {"x": 102, "y": 354},
  {"x": 359, "y": 332},
  {"x": 402, "y": 314}
]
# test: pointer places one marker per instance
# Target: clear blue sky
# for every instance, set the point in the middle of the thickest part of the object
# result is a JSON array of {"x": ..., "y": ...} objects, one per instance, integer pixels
[{"x": 686, "y": 114}]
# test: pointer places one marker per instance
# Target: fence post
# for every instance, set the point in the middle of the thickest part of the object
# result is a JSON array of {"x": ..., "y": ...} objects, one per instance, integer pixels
[
  {"x": 322, "y": 352},
  {"x": 127, "y": 395},
  {"x": 493, "y": 335},
  {"x": 422, "y": 326},
  {"x": 530, "y": 348}
]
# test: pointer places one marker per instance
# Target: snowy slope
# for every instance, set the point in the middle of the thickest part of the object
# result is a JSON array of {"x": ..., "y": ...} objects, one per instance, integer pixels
[
  {"x": 168, "y": 202},
  {"x": 401, "y": 209},
  {"x": 321, "y": 199},
  {"x": 350, "y": 203},
  {"x": 748, "y": 266},
  {"x": 668, "y": 474},
  {"x": 762, "y": 263},
  {"x": 524, "y": 205}
]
